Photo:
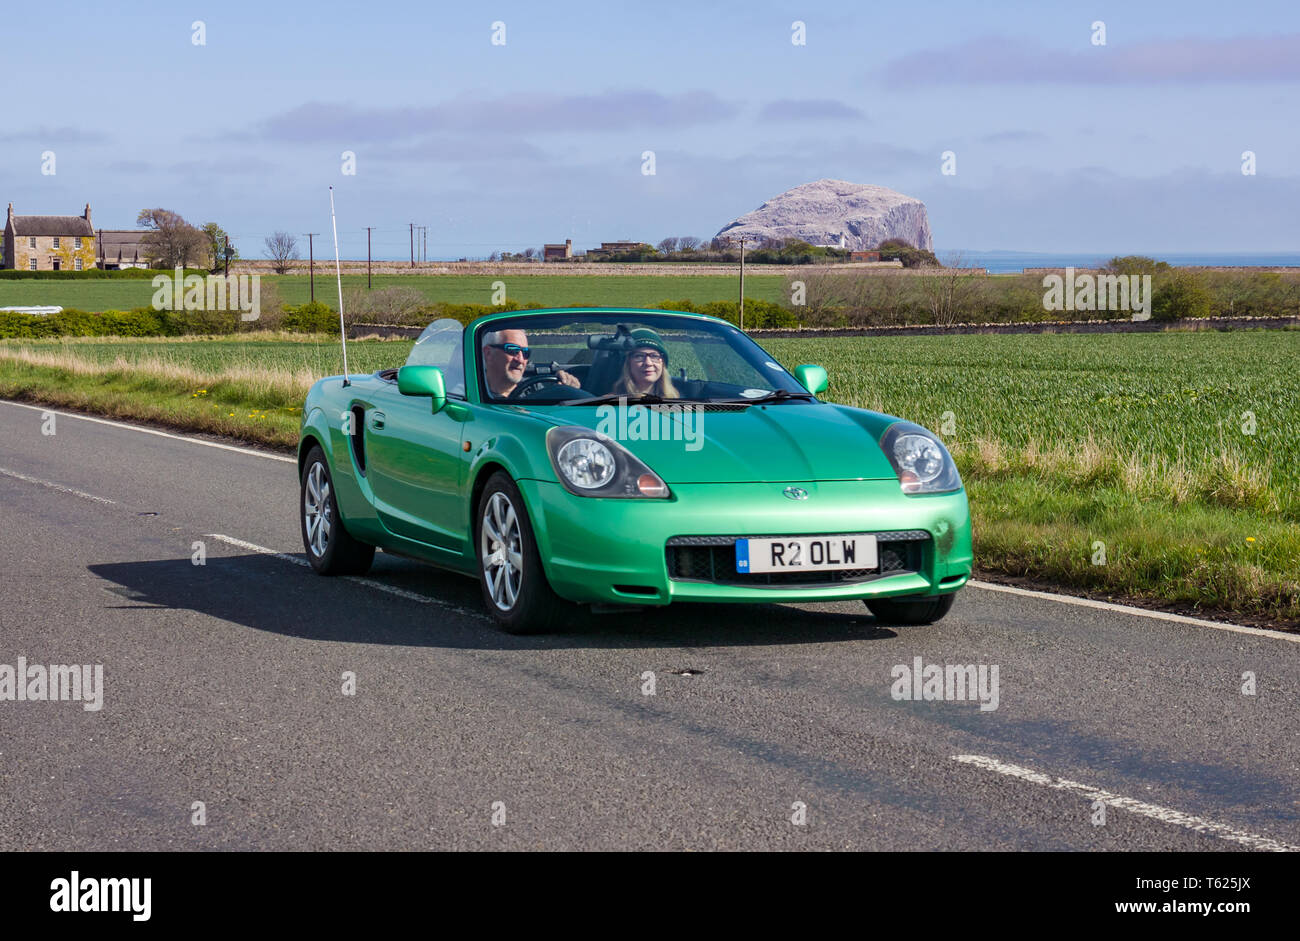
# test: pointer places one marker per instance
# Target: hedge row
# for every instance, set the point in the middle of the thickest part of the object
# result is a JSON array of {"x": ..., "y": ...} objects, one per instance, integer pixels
[
  {"x": 312, "y": 318},
  {"x": 143, "y": 322},
  {"x": 950, "y": 296},
  {"x": 92, "y": 274}
]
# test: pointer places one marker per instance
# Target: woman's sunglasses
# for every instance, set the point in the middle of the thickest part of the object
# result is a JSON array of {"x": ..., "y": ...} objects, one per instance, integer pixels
[{"x": 510, "y": 349}]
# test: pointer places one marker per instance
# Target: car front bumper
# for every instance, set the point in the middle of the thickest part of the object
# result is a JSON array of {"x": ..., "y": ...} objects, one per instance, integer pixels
[{"x": 617, "y": 551}]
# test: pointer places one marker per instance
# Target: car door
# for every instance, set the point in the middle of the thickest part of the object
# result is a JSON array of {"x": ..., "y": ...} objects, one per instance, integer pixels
[{"x": 416, "y": 467}]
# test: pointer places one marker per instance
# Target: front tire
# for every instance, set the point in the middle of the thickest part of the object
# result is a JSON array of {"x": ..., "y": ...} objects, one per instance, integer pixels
[
  {"x": 911, "y": 611},
  {"x": 515, "y": 590},
  {"x": 331, "y": 550}
]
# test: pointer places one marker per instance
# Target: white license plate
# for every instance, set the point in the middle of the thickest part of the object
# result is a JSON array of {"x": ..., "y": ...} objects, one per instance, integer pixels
[{"x": 806, "y": 554}]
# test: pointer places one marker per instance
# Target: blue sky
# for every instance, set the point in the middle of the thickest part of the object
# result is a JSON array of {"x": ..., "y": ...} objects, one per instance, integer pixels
[{"x": 1061, "y": 145}]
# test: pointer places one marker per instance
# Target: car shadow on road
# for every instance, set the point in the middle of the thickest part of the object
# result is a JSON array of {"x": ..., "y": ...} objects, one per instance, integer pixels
[{"x": 271, "y": 594}]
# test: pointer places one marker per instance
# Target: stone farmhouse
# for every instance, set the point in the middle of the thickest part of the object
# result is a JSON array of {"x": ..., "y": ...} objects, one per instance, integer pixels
[
  {"x": 68, "y": 243},
  {"x": 49, "y": 243}
]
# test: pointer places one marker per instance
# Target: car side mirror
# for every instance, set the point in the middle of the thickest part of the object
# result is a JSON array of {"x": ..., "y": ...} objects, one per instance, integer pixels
[
  {"x": 812, "y": 378},
  {"x": 423, "y": 380}
]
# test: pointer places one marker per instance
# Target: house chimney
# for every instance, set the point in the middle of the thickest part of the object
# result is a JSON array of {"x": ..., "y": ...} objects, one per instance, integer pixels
[
  {"x": 11, "y": 213},
  {"x": 88, "y": 215}
]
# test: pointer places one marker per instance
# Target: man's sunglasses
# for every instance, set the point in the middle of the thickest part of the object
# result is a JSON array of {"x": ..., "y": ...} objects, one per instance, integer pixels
[{"x": 510, "y": 349}]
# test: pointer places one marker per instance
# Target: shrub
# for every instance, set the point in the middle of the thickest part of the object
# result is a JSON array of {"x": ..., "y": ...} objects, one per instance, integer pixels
[
  {"x": 1180, "y": 294},
  {"x": 387, "y": 306},
  {"x": 312, "y": 317}
]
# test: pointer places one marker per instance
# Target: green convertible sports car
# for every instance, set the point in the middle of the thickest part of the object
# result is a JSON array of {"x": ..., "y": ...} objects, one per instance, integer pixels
[{"x": 618, "y": 458}]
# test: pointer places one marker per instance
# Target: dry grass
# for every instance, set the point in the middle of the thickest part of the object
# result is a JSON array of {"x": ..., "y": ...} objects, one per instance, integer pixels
[
  {"x": 255, "y": 381},
  {"x": 1222, "y": 477}
]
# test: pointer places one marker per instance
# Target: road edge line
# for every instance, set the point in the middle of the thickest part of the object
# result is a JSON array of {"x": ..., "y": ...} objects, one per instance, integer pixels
[
  {"x": 1130, "y": 609},
  {"x": 152, "y": 431}
]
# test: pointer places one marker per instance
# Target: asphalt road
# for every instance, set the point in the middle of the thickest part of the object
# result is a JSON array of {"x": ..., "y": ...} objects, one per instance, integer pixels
[{"x": 223, "y": 684}]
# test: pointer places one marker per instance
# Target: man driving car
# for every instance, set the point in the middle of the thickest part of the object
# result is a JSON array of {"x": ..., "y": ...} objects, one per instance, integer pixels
[{"x": 505, "y": 356}]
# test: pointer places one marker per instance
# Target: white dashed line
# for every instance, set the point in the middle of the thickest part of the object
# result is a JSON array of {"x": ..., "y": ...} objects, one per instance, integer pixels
[
  {"x": 1154, "y": 811},
  {"x": 58, "y": 487},
  {"x": 154, "y": 431},
  {"x": 369, "y": 583},
  {"x": 1139, "y": 612}
]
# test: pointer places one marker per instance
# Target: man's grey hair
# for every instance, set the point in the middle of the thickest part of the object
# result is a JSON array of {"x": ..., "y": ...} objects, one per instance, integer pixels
[{"x": 495, "y": 336}]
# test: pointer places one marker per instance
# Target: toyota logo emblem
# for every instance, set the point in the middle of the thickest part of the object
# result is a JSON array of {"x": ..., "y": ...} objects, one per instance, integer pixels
[{"x": 796, "y": 493}]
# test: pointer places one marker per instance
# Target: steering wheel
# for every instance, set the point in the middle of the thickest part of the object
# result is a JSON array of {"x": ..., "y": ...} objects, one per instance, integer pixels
[{"x": 529, "y": 386}]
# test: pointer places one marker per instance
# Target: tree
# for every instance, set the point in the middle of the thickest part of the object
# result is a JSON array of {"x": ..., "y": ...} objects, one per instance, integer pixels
[
  {"x": 529, "y": 253},
  {"x": 904, "y": 251},
  {"x": 668, "y": 245},
  {"x": 170, "y": 241},
  {"x": 688, "y": 243},
  {"x": 950, "y": 293},
  {"x": 219, "y": 245},
  {"x": 1135, "y": 264},
  {"x": 282, "y": 249}
]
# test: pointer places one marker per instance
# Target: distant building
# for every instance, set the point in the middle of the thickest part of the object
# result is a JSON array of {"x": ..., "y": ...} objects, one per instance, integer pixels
[
  {"x": 49, "y": 243},
  {"x": 864, "y": 256},
  {"x": 613, "y": 248},
  {"x": 558, "y": 252},
  {"x": 116, "y": 249}
]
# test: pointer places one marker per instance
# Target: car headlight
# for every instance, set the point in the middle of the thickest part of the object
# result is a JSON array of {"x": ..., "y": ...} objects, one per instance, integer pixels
[
  {"x": 586, "y": 463},
  {"x": 590, "y": 464},
  {"x": 921, "y": 461}
]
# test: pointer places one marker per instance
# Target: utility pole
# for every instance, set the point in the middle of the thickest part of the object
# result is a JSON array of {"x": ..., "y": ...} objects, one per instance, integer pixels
[
  {"x": 368, "y": 281},
  {"x": 742, "y": 282},
  {"x": 425, "y": 235},
  {"x": 226, "y": 252},
  {"x": 412, "y": 244},
  {"x": 311, "y": 264}
]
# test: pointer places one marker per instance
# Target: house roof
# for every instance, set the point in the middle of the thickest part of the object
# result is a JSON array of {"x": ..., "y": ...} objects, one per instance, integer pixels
[
  {"x": 121, "y": 244},
  {"x": 116, "y": 237},
  {"x": 52, "y": 225}
]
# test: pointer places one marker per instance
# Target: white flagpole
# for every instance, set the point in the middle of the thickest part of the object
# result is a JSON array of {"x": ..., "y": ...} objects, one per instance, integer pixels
[{"x": 338, "y": 273}]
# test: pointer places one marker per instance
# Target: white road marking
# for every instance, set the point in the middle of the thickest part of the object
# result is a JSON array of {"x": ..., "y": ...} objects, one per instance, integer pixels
[
  {"x": 1140, "y": 612},
  {"x": 1154, "y": 811},
  {"x": 58, "y": 487},
  {"x": 154, "y": 431},
  {"x": 368, "y": 582}
]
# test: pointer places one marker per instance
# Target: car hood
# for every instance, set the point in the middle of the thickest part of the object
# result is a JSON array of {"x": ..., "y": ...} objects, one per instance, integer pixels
[{"x": 791, "y": 441}]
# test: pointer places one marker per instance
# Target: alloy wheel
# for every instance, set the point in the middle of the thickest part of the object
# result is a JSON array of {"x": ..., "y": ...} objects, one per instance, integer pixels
[
  {"x": 501, "y": 549},
  {"x": 316, "y": 509}
]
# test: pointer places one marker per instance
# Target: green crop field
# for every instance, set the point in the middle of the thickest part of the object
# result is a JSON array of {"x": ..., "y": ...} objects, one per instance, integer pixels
[
  {"x": 549, "y": 290},
  {"x": 1163, "y": 467}
]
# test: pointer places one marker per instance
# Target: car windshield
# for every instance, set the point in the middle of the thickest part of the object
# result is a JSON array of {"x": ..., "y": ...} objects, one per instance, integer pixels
[
  {"x": 581, "y": 358},
  {"x": 440, "y": 345}
]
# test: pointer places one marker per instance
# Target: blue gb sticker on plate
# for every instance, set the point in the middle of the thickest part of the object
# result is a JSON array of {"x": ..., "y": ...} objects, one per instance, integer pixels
[{"x": 742, "y": 555}]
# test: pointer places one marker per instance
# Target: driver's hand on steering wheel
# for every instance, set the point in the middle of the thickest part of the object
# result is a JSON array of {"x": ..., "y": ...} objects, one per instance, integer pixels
[{"x": 568, "y": 378}]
